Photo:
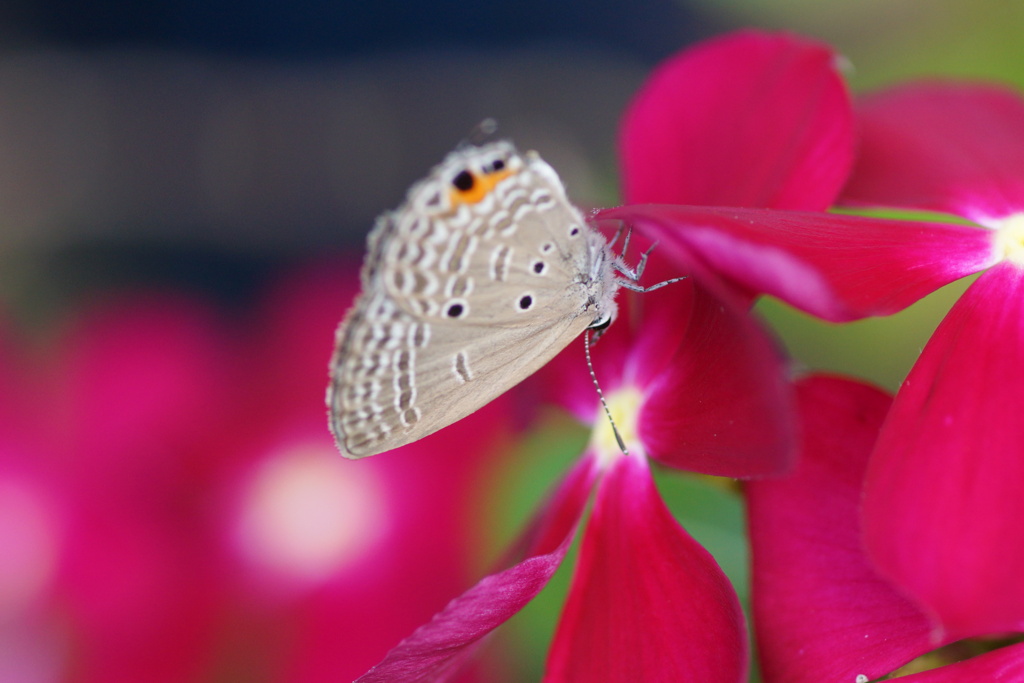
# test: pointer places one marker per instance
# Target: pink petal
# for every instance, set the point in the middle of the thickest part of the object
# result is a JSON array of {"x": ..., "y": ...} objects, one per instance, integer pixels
[
  {"x": 942, "y": 146},
  {"x": 833, "y": 266},
  {"x": 716, "y": 395},
  {"x": 143, "y": 603},
  {"x": 566, "y": 381},
  {"x": 439, "y": 647},
  {"x": 716, "y": 398},
  {"x": 647, "y": 602},
  {"x": 943, "y": 501},
  {"x": 140, "y": 381},
  {"x": 821, "y": 611},
  {"x": 1005, "y": 665},
  {"x": 748, "y": 119},
  {"x": 296, "y": 331}
]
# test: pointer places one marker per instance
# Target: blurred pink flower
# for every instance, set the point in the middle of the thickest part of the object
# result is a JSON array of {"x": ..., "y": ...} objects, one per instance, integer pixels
[
  {"x": 32, "y": 529},
  {"x": 172, "y": 507},
  {"x": 342, "y": 557},
  {"x": 822, "y": 611},
  {"x": 131, "y": 388}
]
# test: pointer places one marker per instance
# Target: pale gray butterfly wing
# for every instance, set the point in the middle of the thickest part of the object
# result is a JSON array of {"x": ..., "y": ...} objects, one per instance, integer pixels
[{"x": 483, "y": 275}]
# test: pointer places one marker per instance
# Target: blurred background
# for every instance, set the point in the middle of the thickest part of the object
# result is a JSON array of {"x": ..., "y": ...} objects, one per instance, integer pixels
[{"x": 185, "y": 188}]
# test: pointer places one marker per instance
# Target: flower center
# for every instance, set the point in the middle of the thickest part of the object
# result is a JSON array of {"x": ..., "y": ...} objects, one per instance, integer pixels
[
  {"x": 306, "y": 516},
  {"x": 1010, "y": 239},
  {"x": 624, "y": 406}
]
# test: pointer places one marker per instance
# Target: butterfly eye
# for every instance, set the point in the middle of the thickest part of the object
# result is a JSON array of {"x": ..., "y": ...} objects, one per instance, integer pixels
[
  {"x": 601, "y": 323},
  {"x": 497, "y": 165}
]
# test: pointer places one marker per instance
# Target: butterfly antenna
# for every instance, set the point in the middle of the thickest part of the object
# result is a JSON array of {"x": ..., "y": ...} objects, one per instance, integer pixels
[{"x": 600, "y": 394}]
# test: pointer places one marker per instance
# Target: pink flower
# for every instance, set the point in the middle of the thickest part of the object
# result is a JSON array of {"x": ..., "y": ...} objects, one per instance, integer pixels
[
  {"x": 822, "y": 611},
  {"x": 692, "y": 384},
  {"x": 104, "y": 459},
  {"x": 943, "y": 488},
  {"x": 748, "y": 119},
  {"x": 692, "y": 381}
]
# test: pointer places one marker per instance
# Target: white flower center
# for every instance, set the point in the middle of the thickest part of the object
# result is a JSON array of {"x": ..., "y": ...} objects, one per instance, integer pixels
[
  {"x": 1009, "y": 240},
  {"x": 305, "y": 515}
]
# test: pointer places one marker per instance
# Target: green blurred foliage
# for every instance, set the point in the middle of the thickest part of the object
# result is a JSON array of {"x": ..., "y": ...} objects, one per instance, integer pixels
[
  {"x": 878, "y": 350},
  {"x": 892, "y": 40},
  {"x": 517, "y": 489}
]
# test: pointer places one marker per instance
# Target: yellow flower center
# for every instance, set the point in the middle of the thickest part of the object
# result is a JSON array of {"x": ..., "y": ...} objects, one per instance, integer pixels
[
  {"x": 624, "y": 406},
  {"x": 1009, "y": 240}
]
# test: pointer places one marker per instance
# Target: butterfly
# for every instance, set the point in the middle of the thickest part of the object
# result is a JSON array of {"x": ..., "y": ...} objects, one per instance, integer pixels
[{"x": 483, "y": 274}]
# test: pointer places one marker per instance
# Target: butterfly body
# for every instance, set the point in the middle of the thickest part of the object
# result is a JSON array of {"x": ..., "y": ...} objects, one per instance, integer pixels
[{"x": 478, "y": 279}]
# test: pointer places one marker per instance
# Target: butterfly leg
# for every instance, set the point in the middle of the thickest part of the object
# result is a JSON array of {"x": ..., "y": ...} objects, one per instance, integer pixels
[
  {"x": 620, "y": 261},
  {"x": 631, "y": 281},
  {"x": 625, "y": 243},
  {"x": 636, "y": 287},
  {"x": 618, "y": 234},
  {"x": 643, "y": 261}
]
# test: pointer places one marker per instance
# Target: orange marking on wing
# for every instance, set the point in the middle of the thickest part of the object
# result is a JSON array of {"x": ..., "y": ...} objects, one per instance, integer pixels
[{"x": 481, "y": 187}]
